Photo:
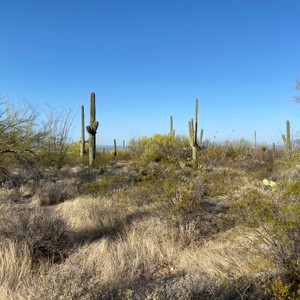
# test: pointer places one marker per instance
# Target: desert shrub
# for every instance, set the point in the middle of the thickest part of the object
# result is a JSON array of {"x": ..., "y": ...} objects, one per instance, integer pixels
[
  {"x": 20, "y": 174},
  {"x": 170, "y": 189},
  {"x": 238, "y": 149},
  {"x": 104, "y": 185},
  {"x": 53, "y": 151},
  {"x": 45, "y": 235},
  {"x": 213, "y": 155},
  {"x": 25, "y": 136},
  {"x": 274, "y": 216},
  {"x": 8, "y": 194},
  {"x": 288, "y": 166},
  {"x": 50, "y": 193},
  {"x": 282, "y": 289},
  {"x": 160, "y": 148},
  {"x": 73, "y": 154},
  {"x": 20, "y": 132},
  {"x": 223, "y": 181},
  {"x": 121, "y": 154},
  {"x": 103, "y": 157}
]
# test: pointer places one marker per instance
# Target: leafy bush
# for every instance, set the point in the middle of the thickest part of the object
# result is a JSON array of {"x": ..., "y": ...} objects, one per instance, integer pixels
[{"x": 160, "y": 148}]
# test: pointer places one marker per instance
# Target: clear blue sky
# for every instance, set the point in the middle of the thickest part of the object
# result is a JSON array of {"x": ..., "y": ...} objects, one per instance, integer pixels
[{"x": 149, "y": 59}]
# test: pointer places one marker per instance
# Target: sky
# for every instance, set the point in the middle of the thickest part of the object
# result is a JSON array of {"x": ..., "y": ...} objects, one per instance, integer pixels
[{"x": 149, "y": 59}]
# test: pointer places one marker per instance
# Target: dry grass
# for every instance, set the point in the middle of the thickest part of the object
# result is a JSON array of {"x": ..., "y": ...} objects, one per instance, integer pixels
[
  {"x": 45, "y": 234},
  {"x": 112, "y": 248},
  {"x": 148, "y": 259},
  {"x": 90, "y": 218},
  {"x": 15, "y": 264},
  {"x": 51, "y": 193}
]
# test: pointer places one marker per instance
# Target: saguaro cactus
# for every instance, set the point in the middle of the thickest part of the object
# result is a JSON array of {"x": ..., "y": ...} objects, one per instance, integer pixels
[
  {"x": 193, "y": 129},
  {"x": 273, "y": 150},
  {"x": 254, "y": 138},
  {"x": 201, "y": 137},
  {"x": 82, "y": 139},
  {"x": 92, "y": 130},
  {"x": 172, "y": 131},
  {"x": 287, "y": 138},
  {"x": 115, "y": 147}
]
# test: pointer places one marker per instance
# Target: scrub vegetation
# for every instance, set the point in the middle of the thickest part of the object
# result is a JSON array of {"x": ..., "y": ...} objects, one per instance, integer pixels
[{"x": 155, "y": 221}]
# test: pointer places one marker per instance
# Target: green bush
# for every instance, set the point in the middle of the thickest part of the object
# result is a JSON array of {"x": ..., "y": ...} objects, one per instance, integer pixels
[
  {"x": 104, "y": 185},
  {"x": 170, "y": 189},
  {"x": 160, "y": 148},
  {"x": 238, "y": 149},
  {"x": 274, "y": 216}
]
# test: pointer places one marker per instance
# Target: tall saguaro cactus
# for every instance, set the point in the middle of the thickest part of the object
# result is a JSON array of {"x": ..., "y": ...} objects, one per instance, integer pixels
[
  {"x": 115, "y": 147},
  {"x": 287, "y": 138},
  {"x": 193, "y": 130},
  {"x": 82, "y": 139},
  {"x": 172, "y": 131},
  {"x": 92, "y": 130}
]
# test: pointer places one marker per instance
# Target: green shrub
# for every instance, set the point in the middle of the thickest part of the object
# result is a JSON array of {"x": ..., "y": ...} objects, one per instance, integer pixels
[
  {"x": 213, "y": 155},
  {"x": 223, "y": 181},
  {"x": 282, "y": 290},
  {"x": 274, "y": 215},
  {"x": 160, "y": 148},
  {"x": 238, "y": 149},
  {"x": 104, "y": 185},
  {"x": 171, "y": 190}
]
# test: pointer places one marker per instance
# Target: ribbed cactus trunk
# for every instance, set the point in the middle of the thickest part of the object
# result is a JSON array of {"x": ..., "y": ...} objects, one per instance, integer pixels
[
  {"x": 92, "y": 136},
  {"x": 287, "y": 139},
  {"x": 254, "y": 138},
  {"x": 82, "y": 139},
  {"x": 172, "y": 131},
  {"x": 115, "y": 147},
  {"x": 193, "y": 130},
  {"x": 92, "y": 130}
]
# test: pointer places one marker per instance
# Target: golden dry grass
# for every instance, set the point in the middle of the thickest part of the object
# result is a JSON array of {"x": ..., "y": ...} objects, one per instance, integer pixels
[
  {"x": 129, "y": 258},
  {"x": 114, "y": 248},
  {"x": 15, "y": 264}
]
